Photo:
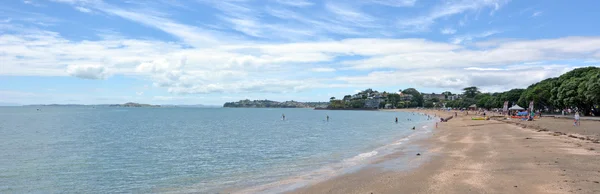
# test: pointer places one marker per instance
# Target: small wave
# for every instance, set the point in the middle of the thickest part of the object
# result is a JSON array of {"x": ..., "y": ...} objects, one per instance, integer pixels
[
  {"x": 400, "y": 141},
  {"x": 331, "y": 170},
  {"x": 362, "y": 156}
]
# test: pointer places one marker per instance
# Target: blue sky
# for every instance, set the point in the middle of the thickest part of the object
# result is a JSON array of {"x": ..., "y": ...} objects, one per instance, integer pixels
[{"x": 211, "y": 52}]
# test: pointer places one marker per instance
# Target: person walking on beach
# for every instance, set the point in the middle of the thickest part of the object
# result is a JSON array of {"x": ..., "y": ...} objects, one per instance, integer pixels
[{"x": 576, "y": 122}]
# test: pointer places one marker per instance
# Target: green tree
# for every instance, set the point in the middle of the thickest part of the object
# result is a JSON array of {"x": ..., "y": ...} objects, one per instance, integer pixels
[
  {"x": 414, "y": 104},
  {"x": 540, "y": 93},
  {"x": 471, "y": 92},
  {"x": 512, "y": 96},
  {"x": 574, "y": 89},
  {"x": 337, "y": 104},
  {"x": 592, "y": 89},
  {"x": 447, "y": 94},
  {"x": 483, "y": 101},
  {"x": 332, "y": 98},
  {"x": 347, "y": 97},
  {"x": 360, "y": 103},
  {"x": 393, "y": 99},
  {"x": 382, "y": 104},
  {"x": 428, "y": 104},
  {"x": 435, "y": 100},
  {"x": 416, "y": 96},
  {"x": 401, "y": 104}
]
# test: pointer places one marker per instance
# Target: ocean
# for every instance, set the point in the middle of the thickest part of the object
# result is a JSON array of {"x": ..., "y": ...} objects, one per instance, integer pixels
[{"x": 184, "y": 150}]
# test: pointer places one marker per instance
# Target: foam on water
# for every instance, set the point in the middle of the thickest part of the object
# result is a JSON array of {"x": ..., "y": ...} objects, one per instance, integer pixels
[{"x": 362, "y": 156}]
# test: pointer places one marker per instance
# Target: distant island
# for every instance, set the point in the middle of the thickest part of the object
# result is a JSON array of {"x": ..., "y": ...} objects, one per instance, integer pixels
[{"x": 274, "y": 104}]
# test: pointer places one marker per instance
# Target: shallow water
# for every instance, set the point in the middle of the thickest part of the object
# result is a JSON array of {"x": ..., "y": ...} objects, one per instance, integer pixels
[{"x": 108, "y": 150}]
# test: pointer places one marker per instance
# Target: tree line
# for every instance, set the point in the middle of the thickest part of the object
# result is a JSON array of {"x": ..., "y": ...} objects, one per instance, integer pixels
[{"x": 578, "y": 89}]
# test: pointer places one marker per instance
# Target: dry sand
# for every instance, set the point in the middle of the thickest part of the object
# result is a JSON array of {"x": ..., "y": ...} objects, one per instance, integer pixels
[{"x": 469, "y": 156}]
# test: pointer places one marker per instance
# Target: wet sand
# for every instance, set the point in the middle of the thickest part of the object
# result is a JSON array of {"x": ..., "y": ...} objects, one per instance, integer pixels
[{"x": 474, "y": 156}]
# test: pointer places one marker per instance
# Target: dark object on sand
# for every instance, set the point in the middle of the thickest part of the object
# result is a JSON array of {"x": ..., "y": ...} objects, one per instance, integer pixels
[
  {"x": 418, "y": 154},
  {"x": 413, "y": 128},
  {"x": 446, "y": 119}
]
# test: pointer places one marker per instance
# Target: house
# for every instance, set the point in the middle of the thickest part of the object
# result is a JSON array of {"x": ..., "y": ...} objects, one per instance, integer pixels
[
  {"x": 433, "y": 95},
  {"x": 373, "y": 102},
  {"x": 473, "y": 107},
  {"x": 454, "y": 97},
  {"x": 406, "y": 97}
]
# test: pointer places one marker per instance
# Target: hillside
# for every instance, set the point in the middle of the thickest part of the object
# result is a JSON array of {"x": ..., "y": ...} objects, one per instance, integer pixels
[{"x": 273, "y": 104}]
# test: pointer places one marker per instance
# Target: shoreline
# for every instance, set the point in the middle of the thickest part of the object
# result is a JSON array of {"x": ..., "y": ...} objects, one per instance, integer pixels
[
  {"x": 376, "y": 157},
  {"x": 470, "y": 156}
]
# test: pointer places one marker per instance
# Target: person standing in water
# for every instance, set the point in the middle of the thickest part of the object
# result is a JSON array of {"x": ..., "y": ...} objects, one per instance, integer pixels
[
  {"x": 576, "y": 117},
  {"x": 327, "y": 118},
  {"x": 396, "y": 119},
  {"x": 283, "y": 117}
]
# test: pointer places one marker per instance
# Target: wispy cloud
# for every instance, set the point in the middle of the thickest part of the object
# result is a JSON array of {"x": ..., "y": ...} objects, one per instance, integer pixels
[
  {"x": 448, "y": 9},
  {"x": 189, "y": 34},
  {"x": 395, "y": 3},
  {"x": 448, "y": 31},
  {"x": 30, "y": 2},
  {"x": 470, "y": 37},
  {"x": 83, "y": 9},
  {"x": 536, "y": 14},
  {"x": 295, "y": 3},
  {"x": 16, "y": 15},
  {"x": 349, "y": 14}
]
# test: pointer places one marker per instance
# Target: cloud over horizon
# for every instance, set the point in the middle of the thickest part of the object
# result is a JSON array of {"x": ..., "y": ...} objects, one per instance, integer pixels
[{"x": 244, "y": 47}]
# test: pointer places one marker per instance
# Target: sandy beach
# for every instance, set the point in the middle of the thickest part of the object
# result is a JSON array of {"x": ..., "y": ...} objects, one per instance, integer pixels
[{"x": 475, "y": 156}]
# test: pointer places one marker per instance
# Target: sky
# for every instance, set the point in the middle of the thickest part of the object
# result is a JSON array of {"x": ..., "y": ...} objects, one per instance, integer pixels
[{"x": 215, "y": 51}]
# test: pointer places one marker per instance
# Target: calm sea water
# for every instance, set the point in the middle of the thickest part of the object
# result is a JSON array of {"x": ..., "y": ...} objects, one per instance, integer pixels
[{"x": 141, "y": 150}]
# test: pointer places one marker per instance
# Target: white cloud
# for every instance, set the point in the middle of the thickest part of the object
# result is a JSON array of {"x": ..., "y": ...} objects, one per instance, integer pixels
[
  {"x": 536, "y": 14},
  {"x": 139, "y": 93},
  {"x": 322, "y": 69},
  {"x": 483, "y": 69},
  {"x": 448, "y": 31},
  {"x": 83, "y": 9},
  {"x": 494, "y": 80},
  {"x": 87, "y": 71},
  {"x": 277, "y": 67}
]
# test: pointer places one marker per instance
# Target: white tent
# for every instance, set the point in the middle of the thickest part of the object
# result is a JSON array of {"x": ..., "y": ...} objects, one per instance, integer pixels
[{"x": 516, "y": 107}]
